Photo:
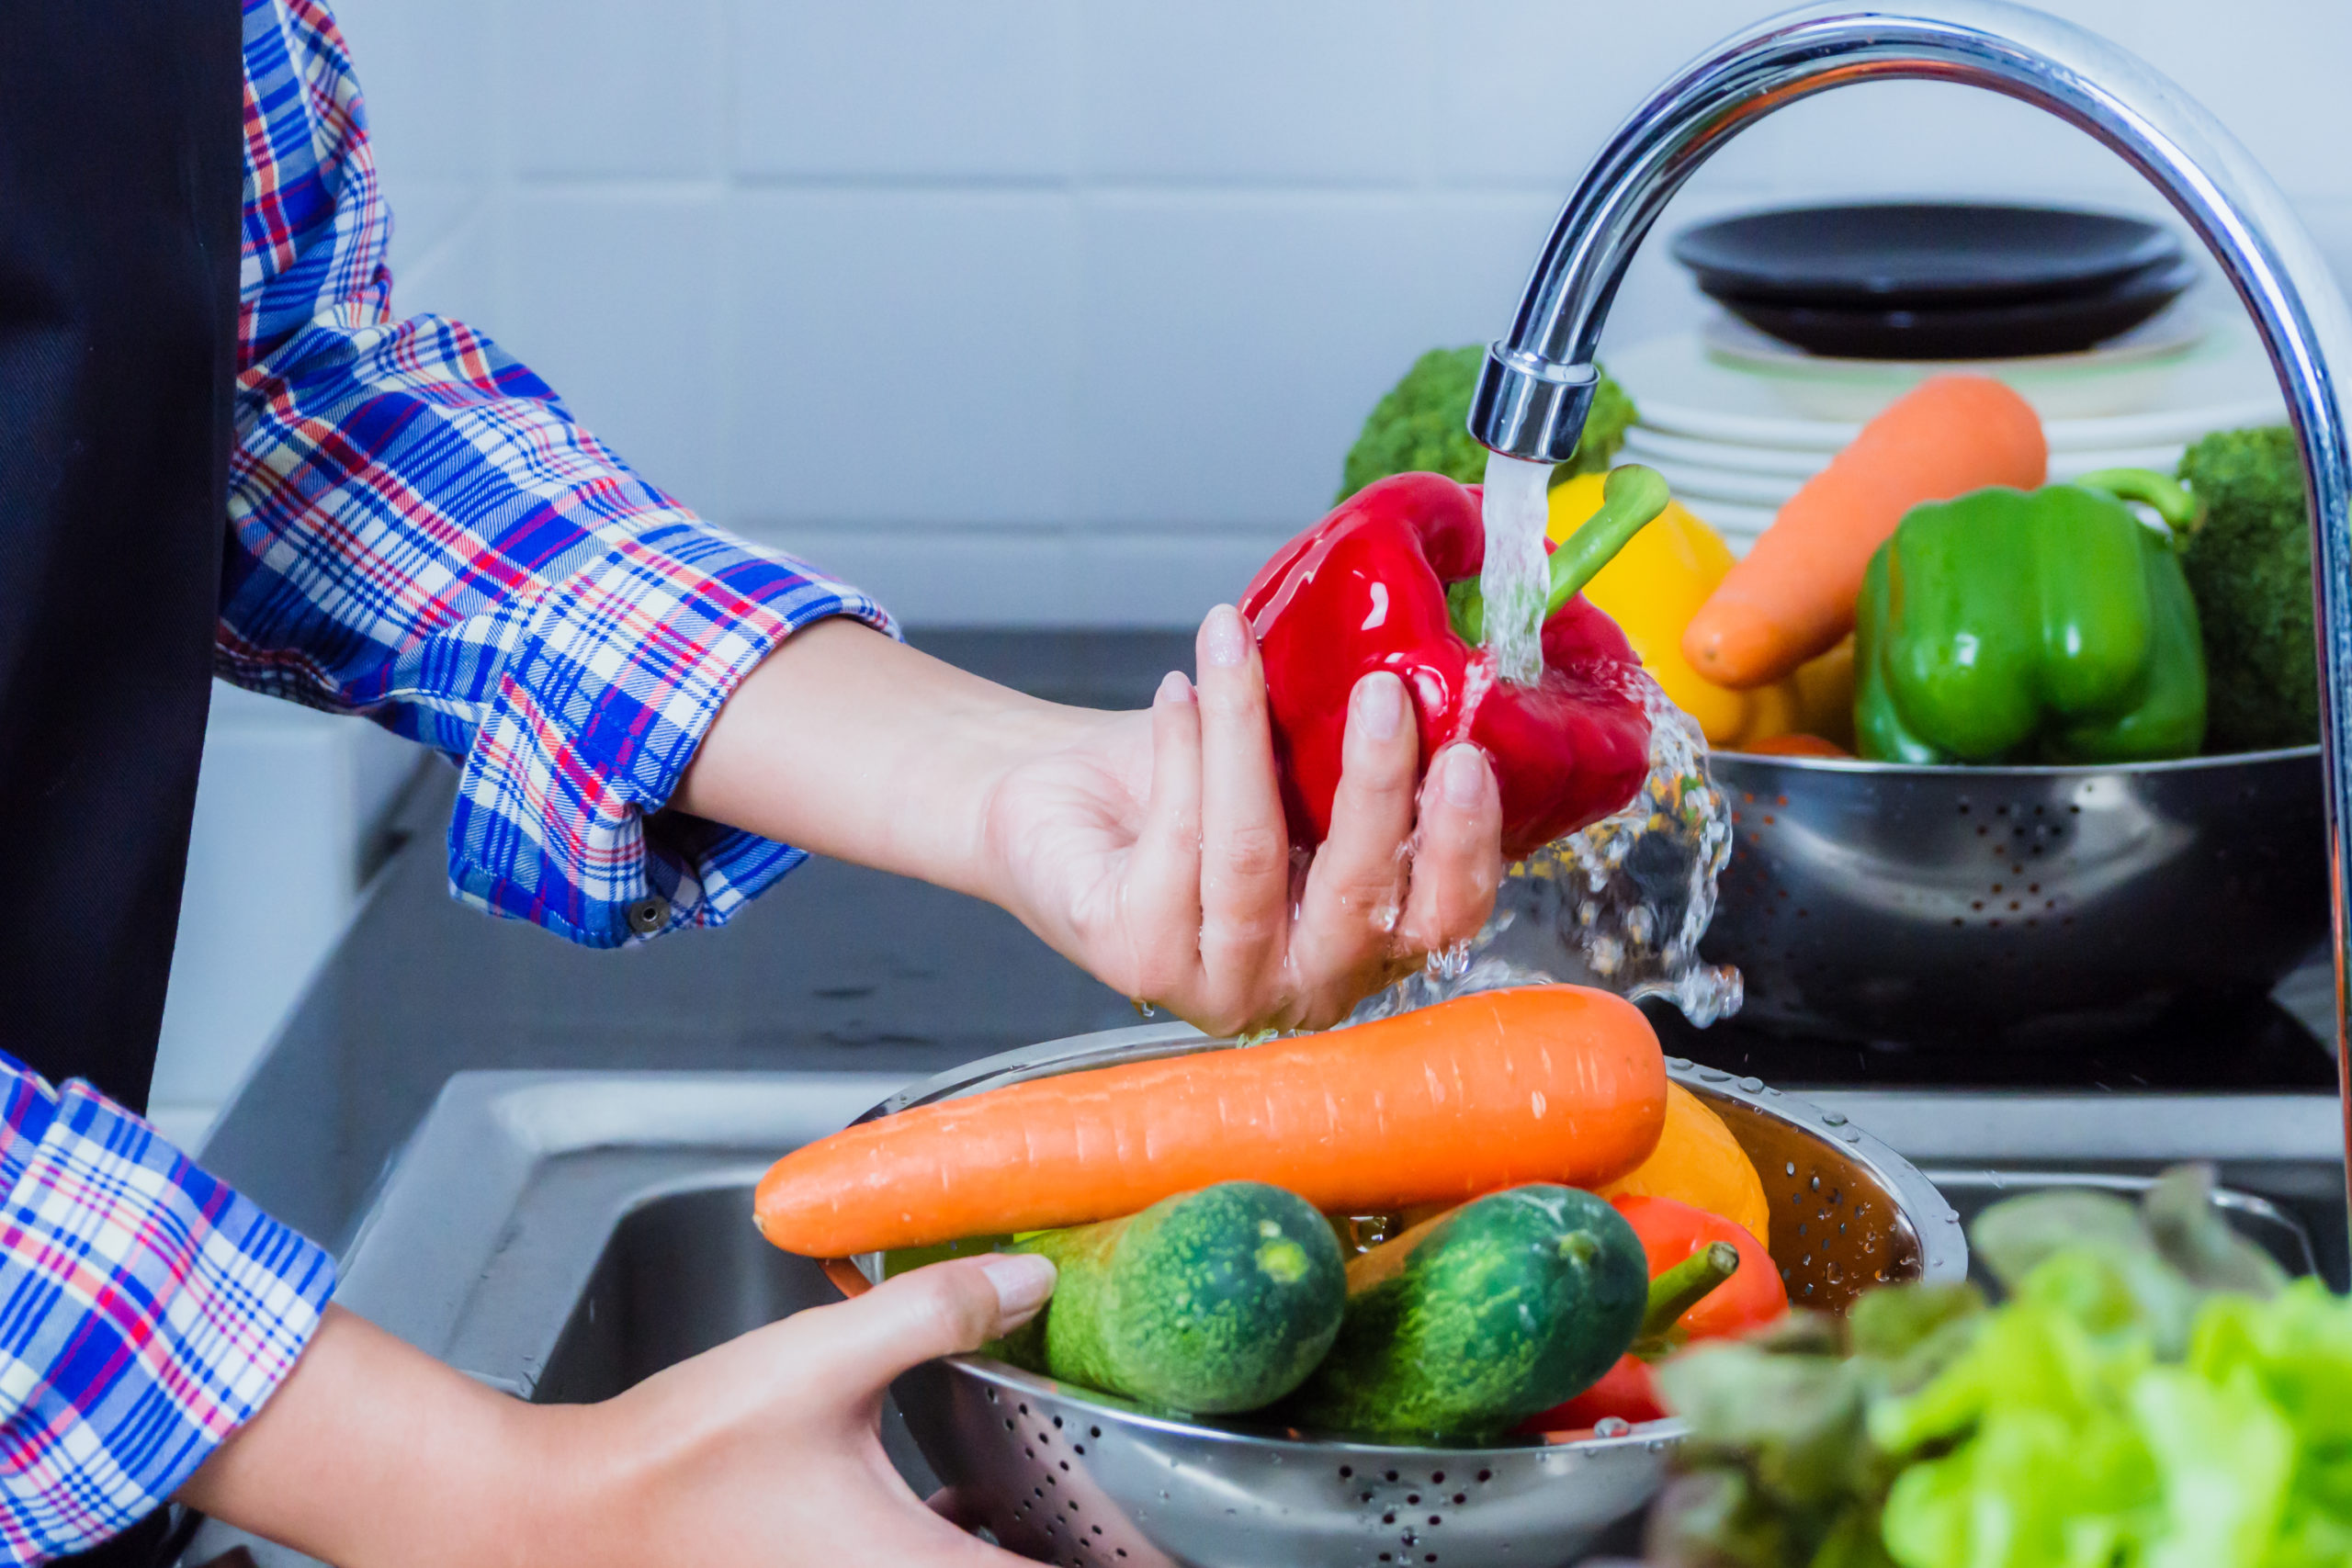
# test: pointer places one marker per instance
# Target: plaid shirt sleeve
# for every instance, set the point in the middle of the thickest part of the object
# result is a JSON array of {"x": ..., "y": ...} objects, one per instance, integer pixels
[
  {"x": 146, "y": 1312},
  {"x": 420, "y": 533}
]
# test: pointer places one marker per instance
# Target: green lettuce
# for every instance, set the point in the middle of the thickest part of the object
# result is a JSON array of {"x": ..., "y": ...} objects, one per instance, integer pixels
[{"x": 2150, "y": 1394}]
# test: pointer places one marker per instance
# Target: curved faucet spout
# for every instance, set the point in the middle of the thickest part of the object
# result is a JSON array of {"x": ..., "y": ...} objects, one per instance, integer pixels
[{"x": 1537, "y": 383}]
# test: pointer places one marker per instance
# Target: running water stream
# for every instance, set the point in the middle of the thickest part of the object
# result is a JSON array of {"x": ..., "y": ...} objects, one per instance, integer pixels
[{"x": 1513, "y": 580}]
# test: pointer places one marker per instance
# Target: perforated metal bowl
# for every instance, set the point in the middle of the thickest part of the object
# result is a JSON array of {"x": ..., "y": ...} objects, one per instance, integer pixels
[
  {"x": 1065, "y": 1475},
  {"x": 1958, "y": 907}
]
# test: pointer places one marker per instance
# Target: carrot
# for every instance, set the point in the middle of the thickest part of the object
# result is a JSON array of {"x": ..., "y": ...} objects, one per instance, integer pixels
[
  {"x": 1547, "y": 1083},
  {"x": 1698, "y": 1162},
  {"x": 1792, "y": 597}
]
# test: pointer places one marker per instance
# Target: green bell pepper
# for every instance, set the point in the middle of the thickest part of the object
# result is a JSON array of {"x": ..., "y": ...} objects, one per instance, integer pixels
[{"x": 2043, "y": 627}]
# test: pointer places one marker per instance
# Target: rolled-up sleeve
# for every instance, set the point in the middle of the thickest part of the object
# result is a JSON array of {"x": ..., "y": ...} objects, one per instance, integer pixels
[
  {"x": 146, "y": 1313},
  {"x": 420, "y": 532}
]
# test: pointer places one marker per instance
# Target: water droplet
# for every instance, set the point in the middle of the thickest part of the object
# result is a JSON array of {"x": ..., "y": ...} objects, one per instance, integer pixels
[
  {"x": 1612, "y": 1426},
  {"x": 1832, "y": 1119}
]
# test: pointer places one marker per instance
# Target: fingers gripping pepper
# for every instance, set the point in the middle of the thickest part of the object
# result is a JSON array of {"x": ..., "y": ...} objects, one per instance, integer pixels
[
  {"x": 1389, "y": 581},
  {"x": 2050, "y": 625}
]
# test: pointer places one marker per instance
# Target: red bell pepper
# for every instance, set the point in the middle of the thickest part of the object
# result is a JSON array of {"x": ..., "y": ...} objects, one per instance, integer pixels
[
  {"x": 1671, "y": 1232},
  {"x": 1389, "y": 580},
  {"x": 1700, "y": 1304}
]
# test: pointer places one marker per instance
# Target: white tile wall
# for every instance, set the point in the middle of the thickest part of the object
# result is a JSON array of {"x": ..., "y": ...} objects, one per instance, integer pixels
[
  {"x": 943, "y": 321},
  {"x": 1225, "y": 92},
  {"x": 962, "y": 296},
  {"x": 1525, "y": 90},
  {"x": 284, "y": 809},
  {"x": 615, "y": 87},
  {"x": 1192, "y": 413},
  {"x": 894, "y": 90},
  {"x": 625, "y": 298}
]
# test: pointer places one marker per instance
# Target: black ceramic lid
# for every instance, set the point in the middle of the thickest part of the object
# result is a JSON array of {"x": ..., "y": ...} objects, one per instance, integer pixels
[{"x": 1883, "y": 255}]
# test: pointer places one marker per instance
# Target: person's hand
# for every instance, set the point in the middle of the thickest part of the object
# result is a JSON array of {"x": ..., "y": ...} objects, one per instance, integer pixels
[
  {"x": 1151, "y": 849},
  {"x": 767, "y": 1452},
  {"x": 763, "y": 1453}
]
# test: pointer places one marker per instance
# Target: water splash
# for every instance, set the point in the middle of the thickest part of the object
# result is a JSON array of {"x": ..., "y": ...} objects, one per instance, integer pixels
[
  {"x": 1620, "y": 906},
  {"x": 1451, "y": 964},
  {"x": 1514, "y": 581}
]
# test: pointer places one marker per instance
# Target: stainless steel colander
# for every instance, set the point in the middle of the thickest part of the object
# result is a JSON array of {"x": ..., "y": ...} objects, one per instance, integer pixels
[
  {"x": 1066, "y": 1475},
  {"x": 2023, "y": 906}
]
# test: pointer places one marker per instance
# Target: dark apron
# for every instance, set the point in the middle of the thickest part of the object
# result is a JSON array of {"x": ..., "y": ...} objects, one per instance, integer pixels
[{"x": 121, "y": 177}]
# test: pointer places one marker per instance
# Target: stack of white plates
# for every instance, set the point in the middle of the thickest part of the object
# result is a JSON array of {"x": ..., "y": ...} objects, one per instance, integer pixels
[{"x": 1736, "y": 421}]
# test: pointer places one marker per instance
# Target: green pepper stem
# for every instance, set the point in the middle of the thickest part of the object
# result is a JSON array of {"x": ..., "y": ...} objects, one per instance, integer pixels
[
  {"x": 2170, "y": 499},
  {"x": 1631, "y": 499},
  {"x": 1684, "y": 1286}
]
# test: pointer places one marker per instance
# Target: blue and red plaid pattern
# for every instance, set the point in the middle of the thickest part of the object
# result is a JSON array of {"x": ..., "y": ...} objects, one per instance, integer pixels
[
  {"x": 146, "y": 1312},
  {"x": 420, "y": 533}
]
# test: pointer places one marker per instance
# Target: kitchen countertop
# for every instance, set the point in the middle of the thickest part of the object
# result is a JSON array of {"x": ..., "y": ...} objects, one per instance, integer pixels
[{"x": 835, "y": 967}]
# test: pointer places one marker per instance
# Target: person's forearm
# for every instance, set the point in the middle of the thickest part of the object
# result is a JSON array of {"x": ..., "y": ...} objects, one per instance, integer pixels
[
  {"x": 373, "y": 1452},
  {"x": 847, "y": 744},
  {"x": 762, "y": 1454}
]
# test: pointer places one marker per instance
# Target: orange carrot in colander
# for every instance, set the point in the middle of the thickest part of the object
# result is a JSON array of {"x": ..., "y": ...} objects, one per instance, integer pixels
[
  {"x": 1791, "y": 596},
  {"x": 1548, "y": 1083}
]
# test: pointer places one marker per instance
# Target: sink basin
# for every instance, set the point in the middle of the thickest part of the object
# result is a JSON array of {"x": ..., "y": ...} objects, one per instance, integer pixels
[{"x": 562, "y": 1236}]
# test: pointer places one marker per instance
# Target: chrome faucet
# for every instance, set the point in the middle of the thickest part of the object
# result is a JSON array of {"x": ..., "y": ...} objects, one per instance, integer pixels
[{"x": 1538, "y": 383}]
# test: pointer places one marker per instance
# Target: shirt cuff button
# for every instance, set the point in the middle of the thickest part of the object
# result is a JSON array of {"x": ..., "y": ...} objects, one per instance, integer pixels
[{"x": 649, "y": 914}]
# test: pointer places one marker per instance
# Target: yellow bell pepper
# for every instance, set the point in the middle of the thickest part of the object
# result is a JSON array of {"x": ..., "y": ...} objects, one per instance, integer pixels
[
  {"x": 1651, "y": 591},
  {"x": 1825, "y": 696}
]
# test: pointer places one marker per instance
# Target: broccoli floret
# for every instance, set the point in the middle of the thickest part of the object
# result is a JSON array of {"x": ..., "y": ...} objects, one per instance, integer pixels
[
  {"x": 1419, "y": 426},
  {"x": 2249, "y": 564}
]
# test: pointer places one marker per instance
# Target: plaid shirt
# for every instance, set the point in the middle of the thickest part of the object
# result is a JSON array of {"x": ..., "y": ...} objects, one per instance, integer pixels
[
  {"x": 146, "y": 1311},
  {"x": 418, "y": 532}
]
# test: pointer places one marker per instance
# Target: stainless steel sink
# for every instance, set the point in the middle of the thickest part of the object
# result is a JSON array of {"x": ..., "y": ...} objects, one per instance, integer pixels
[{"x": 562, "y": 1236}]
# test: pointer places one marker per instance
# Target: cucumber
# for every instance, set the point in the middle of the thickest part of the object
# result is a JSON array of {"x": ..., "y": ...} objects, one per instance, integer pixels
[
  {"x": 1209, "y": 1302},
  {"x": 1471, "y": 1322},
  {"x": 907, "y": 1259}
]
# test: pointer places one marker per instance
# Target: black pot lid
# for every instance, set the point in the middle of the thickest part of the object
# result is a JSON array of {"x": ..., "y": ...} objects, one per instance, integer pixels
[{"x": 1891, "y": 254}]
